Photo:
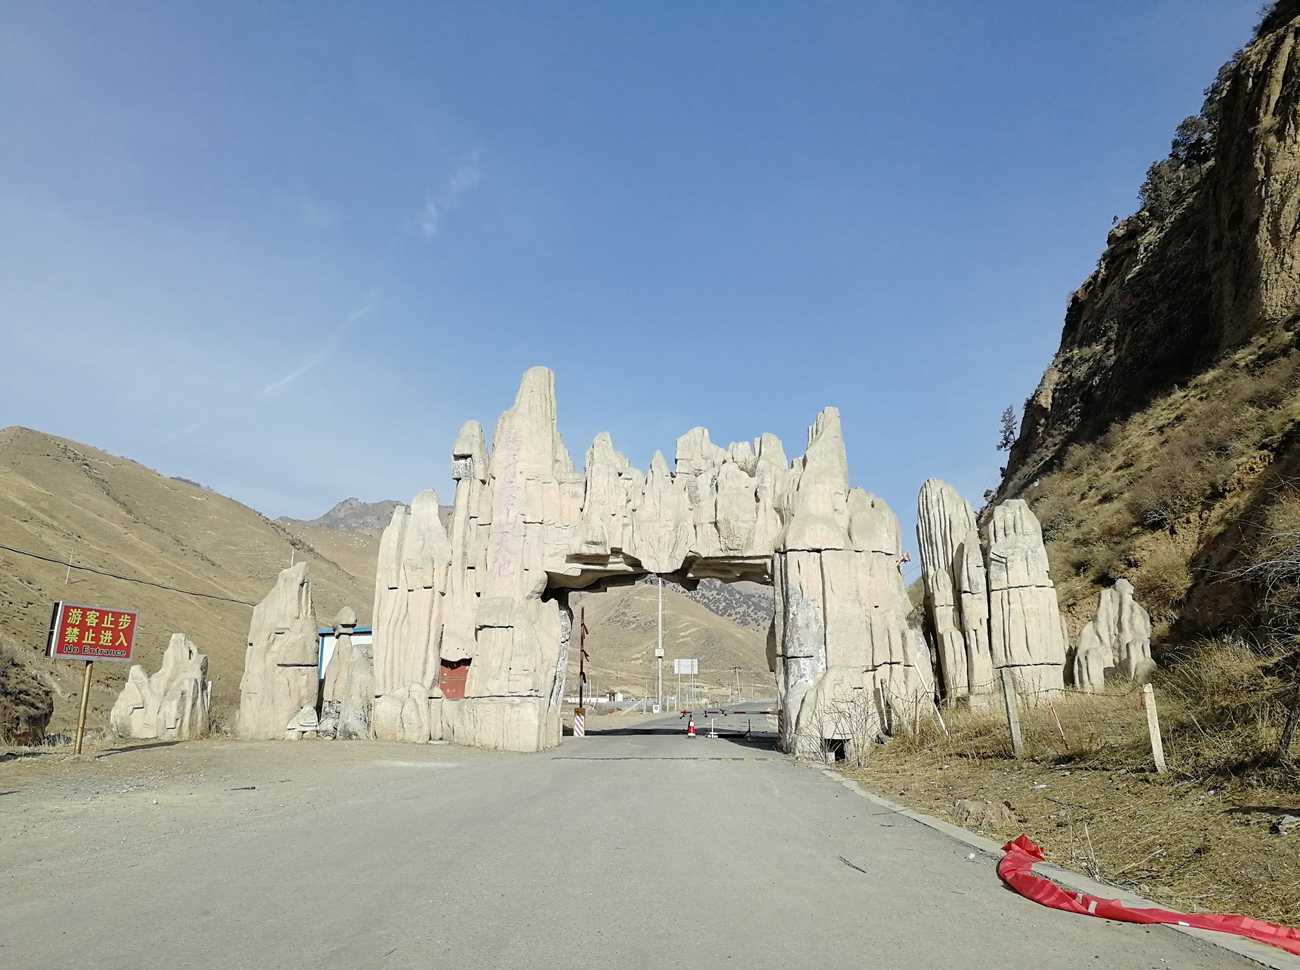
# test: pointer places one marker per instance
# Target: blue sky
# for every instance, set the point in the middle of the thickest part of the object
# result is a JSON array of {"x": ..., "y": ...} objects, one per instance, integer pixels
[{"x": 287, "y": 249}]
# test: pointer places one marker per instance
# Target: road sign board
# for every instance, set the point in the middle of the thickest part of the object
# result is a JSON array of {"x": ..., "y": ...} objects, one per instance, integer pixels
[
  {"x": 79, "y": 632},
  {"x": 690, "y": 668}
]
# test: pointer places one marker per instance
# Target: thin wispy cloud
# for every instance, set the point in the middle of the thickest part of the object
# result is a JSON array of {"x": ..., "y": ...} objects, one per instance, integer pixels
[
  {"x": 429, "y": 220},
  {"x": 330, "y": 345},
  {"x": 467, "y": 174},
  {"x": 464, "y": 178},
  {"x": 307, "y": 210},
  {"x": 317, "y": 214}
]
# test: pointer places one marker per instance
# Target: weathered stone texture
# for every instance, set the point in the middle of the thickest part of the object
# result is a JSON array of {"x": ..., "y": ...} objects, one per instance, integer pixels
[
  {"x": 411, "y": 581},
  {"x": 971, "y": 580},
  {"x": 280, "y": 664},
  {"x": 1117, "y": 640},
  {"x": 348, "y": 694},
  {"x": 1026, "y": 632},
  {"x": 841, "y": 646},
  {"x": 170, "y": 705},
  {"x": 943, "y": 521}
]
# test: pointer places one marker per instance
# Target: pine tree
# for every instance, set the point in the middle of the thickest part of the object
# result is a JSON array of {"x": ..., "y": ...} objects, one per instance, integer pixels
[{"x": 1007, "y": 429}]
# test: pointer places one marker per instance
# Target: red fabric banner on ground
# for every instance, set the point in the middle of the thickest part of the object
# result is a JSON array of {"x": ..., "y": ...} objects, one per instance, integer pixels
[{"x": 1016, "y": 870}]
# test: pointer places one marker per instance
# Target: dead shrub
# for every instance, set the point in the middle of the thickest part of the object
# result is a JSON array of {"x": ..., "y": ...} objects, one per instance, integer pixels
[
  {"x": 222, "y": 718},
  {"x": 1275, "y": 563},
  {"x": 1080, "y": 460},
  {"x": 1105, "y": 559},
  {"x": 1274, "y": 385},
  {"x": 1225, "y": 703},
  {"x": 1175, "y": 487},
  {"x": 1163, "y": 579}
]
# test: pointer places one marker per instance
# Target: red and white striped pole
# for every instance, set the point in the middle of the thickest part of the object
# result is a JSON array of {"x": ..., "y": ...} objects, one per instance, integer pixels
[{"x": 580, "y": 712}]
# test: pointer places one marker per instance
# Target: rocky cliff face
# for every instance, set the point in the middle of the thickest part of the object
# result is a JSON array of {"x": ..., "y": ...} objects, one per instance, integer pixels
[{"x": 1207, "y": 263}]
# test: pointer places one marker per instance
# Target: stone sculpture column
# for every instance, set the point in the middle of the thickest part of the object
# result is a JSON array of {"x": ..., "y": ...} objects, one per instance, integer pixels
[
  {"x": 1117, "y": 640},
  {"x": 349, "y": 691},
  {"x": 943, "y": 520},
  {"x": 280, "y": 664},
  {"x": 842, "y": 649},
  {"x": 973, "y": 594},
  {"x": 511, "y": 682},
  {"x": 410, "y": 585},
  {"x": 172, "y": 704},
  {"x": 1026, "y": 630}
]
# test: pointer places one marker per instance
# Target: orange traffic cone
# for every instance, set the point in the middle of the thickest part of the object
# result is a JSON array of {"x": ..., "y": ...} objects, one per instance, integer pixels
[{"x": 690, "y": 727}]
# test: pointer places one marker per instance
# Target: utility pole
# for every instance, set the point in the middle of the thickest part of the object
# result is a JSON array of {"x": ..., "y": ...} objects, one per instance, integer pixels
[
  {"x": 737, "y": 691},
  {"x": 582, "y": 655},
  {"x": 659, "y": 644}
]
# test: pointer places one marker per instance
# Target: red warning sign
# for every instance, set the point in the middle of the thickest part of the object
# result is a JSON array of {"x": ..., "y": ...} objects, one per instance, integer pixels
[{"x": 80, "y": 632}]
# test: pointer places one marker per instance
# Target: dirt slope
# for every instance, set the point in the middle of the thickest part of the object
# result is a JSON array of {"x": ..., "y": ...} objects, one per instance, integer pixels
[
  {"x": 62, "y": 499},
  {"x": 621, "y": 626}
]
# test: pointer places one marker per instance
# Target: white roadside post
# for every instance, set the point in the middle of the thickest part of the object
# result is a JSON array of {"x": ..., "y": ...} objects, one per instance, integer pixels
[{"x": 1153, "y": 727}]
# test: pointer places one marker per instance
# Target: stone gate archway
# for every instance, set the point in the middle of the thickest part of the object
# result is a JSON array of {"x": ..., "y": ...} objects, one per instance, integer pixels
[{"x": 488, "y": 596}]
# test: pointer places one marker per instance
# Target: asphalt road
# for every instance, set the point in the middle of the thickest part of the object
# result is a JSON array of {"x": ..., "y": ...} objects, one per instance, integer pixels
[{"x": 642, "y": 849}]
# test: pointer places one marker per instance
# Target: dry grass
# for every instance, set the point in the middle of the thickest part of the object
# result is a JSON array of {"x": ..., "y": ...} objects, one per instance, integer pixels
[
  {"x": 1195, "y": 838},
  {"x": 1163, "y": 578}
]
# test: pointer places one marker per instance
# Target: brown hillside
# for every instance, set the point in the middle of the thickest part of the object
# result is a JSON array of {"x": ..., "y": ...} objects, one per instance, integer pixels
[
  {"x": 62, "y": 499},
  {"x": 357, "y": 552},
  {"x": 621, "y": 627}
]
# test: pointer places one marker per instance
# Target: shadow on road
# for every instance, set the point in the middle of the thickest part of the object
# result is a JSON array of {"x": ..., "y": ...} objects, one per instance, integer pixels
[
  {"x": 126, "y": 749},
  {"x": 758, "y": 740},
  {"x": 15, "y": 755}
]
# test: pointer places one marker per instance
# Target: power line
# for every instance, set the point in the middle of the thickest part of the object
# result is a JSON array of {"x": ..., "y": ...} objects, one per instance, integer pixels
[{"x": 125, "y": 579}]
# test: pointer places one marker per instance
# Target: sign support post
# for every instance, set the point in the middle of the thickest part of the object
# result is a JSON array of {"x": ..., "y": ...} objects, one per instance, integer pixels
[
  {"x": 89, "y": 633},
  {"x": 85, "y": 699}
]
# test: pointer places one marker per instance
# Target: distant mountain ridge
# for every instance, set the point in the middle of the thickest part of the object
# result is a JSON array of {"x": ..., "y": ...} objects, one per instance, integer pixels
[
  {"x": 353, "y": 515},
  {"x": 748, "y": 605}
]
